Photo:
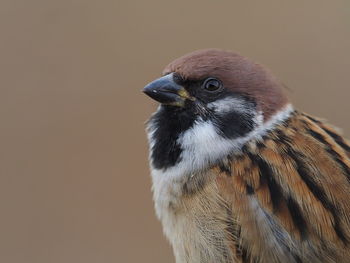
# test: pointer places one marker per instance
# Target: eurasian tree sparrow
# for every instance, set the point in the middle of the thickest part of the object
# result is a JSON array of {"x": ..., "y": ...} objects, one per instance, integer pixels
[{"x": 238, "y": 174}]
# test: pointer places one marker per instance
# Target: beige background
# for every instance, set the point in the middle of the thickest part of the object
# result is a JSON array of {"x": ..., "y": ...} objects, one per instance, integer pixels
[{"x": 74, "y": 183}]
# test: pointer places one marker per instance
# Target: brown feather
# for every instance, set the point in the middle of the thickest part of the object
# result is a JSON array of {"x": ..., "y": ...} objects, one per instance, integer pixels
[{"x": 299, "y": 178}]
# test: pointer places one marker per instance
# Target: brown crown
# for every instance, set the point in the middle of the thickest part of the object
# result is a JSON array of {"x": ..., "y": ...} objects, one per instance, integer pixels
[{"x": 237, "y": 73}]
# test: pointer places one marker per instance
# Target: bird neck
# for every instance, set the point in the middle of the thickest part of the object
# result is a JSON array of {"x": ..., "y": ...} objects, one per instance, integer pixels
[{"x": 181, "y": 144}]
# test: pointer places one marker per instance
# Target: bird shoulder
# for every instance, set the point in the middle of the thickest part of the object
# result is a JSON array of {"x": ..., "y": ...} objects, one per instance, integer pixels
[{"x": 289, "y": 194}]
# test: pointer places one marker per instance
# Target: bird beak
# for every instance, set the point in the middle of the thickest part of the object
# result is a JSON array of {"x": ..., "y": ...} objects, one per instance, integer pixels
[{"x": 166, "y": 91}]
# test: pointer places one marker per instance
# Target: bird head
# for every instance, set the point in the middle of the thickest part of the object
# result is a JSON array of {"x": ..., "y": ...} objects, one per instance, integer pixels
[{"x": 216, "y": 95}]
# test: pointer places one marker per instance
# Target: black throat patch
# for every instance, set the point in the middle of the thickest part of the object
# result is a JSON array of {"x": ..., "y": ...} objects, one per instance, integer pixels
[{"x": 168, "y": 123}]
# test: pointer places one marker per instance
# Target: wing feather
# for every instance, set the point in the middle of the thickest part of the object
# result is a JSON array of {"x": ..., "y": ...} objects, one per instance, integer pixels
[{"x": 290, "y": 194}]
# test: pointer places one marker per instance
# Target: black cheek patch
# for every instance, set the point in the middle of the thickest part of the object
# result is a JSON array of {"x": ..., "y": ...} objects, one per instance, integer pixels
[{"x": 235, "y": 124}]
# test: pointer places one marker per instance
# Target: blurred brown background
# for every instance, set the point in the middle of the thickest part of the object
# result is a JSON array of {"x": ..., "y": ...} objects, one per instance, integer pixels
[{"x": 74, "y": 180}]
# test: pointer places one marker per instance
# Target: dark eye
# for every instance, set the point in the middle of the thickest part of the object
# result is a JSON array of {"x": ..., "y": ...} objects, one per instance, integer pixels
[{"x": 212, "y": 85}]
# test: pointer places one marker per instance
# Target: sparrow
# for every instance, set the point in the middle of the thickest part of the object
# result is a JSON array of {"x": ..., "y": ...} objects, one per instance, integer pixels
[{"x": 238, "y": 174}]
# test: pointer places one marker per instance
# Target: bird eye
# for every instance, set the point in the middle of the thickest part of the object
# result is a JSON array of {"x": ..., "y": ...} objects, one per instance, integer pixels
[{"x": 212, "y": 85}]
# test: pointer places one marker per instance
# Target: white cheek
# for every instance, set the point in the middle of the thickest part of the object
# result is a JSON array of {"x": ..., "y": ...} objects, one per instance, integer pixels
[
  {"x": 228, "y": 104},
  {"x": 202, "y": 145}
]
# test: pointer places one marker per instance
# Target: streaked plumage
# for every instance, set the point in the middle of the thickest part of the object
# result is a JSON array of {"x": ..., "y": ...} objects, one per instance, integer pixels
[
  {"x": 242, "y": 176},
  {"x": 299, "y": 176}
]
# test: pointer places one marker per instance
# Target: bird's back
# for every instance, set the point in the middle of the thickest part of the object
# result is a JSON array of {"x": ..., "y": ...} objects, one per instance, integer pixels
[{"x": 289, "y": 195}]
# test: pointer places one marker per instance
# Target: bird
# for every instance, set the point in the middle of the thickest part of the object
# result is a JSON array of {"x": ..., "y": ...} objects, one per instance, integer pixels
[{"x": 240, "y": 175}]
